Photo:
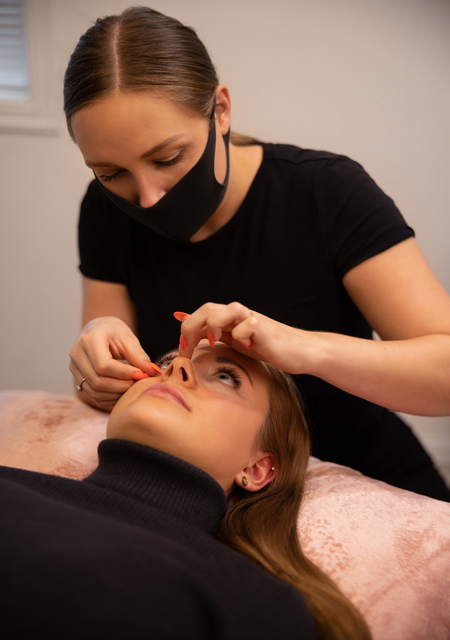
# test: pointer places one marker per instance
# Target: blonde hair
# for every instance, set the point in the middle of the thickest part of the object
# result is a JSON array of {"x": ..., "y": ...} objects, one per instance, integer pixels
[{"x": 263, "y": 525}]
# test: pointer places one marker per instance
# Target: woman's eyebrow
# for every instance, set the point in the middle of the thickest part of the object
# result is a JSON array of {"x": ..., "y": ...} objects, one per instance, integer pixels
[
  {"x": 223, "y": 360},
  {"x": 153, "y": 150},
  {"x": 160, "y": 146}
]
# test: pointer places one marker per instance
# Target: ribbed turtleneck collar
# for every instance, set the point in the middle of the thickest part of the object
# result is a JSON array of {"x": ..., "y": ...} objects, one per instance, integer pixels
[{"x": 160, "y": 480}]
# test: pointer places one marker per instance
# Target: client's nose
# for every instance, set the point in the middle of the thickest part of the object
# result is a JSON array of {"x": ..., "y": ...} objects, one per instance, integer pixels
[{"x": 182, "y": 370}]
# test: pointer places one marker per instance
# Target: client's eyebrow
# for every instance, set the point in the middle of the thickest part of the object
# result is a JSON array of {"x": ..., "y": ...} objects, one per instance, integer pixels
[
  {"x": 166, "y": 354},
  {"x": 223, "y": 360}
]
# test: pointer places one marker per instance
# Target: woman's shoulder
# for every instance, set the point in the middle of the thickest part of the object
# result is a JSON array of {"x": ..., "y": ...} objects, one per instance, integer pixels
[
  {"x": 325, "y": 172},
  {"x": 297, "y": 156}
]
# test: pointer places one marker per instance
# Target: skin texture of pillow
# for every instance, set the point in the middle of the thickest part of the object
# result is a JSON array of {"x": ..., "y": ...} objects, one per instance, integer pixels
[{"x": 388, "y": 549}]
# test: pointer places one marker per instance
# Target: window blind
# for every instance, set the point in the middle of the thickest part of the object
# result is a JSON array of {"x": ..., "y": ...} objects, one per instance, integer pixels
[{"x": 14, "y": 70}]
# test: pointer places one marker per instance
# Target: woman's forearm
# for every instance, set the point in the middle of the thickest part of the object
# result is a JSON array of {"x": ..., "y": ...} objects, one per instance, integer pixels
[{"x": 412, "y": 376}]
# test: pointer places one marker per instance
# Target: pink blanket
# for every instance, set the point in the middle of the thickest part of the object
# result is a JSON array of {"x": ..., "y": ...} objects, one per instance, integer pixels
[{"x": 388, "y": 549}]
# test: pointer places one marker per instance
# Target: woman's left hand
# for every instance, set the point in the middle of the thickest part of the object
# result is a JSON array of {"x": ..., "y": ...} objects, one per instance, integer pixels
[{"x": 247, "y": 331}]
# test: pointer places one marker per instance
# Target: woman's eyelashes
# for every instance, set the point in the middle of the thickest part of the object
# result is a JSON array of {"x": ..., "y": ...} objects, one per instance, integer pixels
[
  {"x": 171, "y": 162},
  {"x": 226, "y": 375},
  {"x": 159, "y": 163},
  {"x": 109, "y": 179}
]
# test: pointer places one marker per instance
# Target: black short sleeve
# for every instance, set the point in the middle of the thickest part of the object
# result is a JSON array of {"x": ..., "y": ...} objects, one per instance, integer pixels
[
  {"x": 358, "y": 220},
  {"x": 103, "y": 238}
]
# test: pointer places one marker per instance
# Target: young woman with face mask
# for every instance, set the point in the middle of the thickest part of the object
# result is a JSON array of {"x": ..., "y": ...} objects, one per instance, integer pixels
[
  {"x": 214, "y": 450},
  {"x": 182, "y": 212}
]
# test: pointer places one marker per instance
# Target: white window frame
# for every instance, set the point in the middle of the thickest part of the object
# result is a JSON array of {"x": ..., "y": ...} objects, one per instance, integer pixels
[{"x": 36, "y": 115}]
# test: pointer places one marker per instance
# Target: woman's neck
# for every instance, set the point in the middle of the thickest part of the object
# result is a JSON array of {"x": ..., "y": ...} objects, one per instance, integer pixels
[{"x": 244, "y": 165}]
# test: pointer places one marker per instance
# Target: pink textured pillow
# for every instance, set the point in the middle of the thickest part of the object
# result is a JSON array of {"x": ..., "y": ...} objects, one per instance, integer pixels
[
  {"x": 49, "y": 433},
  {"x": 388, "y": 549}
]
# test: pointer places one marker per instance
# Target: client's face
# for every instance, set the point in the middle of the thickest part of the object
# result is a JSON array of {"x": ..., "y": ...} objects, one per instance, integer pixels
[{"x": 206, "y": 411}]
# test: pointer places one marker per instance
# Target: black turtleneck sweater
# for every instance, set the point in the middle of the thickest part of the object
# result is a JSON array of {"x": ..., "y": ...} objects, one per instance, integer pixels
[{"x": 128, "y": 553}]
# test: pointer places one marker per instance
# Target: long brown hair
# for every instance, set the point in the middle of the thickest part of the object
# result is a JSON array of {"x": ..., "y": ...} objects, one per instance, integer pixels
[
  {"x": 263, "y": 525},
  {"x": 142, "y": 50}
]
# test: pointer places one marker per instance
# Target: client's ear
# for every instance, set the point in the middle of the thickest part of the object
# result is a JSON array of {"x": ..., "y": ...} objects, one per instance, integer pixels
[{"x": 258, "y": 475}]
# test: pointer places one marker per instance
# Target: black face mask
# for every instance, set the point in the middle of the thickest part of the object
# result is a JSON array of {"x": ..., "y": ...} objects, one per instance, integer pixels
[{"x": 184, "y": 209}]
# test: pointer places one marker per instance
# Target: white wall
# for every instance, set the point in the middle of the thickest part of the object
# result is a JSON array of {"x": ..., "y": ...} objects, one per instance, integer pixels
[{"x": 369, "y": 79}]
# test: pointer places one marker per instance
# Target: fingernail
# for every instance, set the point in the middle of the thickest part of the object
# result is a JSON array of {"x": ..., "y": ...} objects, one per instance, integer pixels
[
  {"x": 139, "y": 375},
  {"x": 245, "y": 346},
  {"x": 180, "y": 315},
  {"x": 183, "y": 343},
  {"x": 155, "y": 367},
  {"x": 211, "y": 340}
]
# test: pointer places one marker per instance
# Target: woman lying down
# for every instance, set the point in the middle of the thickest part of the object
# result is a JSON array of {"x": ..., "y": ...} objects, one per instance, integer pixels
[{"x": 187, "y": 528}]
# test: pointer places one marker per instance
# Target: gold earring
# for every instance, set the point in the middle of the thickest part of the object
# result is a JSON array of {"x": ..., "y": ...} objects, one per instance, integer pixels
[
  {"x": 272, "y": 468},
  {"x": 244, "y": 481}
]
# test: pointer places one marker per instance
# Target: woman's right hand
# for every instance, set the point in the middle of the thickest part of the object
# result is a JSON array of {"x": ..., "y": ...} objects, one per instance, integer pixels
[{"x": 96, "y": 356}]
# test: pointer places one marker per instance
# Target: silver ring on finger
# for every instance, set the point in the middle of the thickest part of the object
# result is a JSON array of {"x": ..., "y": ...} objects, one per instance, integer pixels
[{"x": 79, "y": 386}]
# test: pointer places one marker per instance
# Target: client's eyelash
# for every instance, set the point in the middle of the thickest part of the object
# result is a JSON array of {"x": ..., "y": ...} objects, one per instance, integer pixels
[
  {"x": 236, "y": 378},
  {"x": 234, "y": 375},
  {"x": 167, "y": 359}
]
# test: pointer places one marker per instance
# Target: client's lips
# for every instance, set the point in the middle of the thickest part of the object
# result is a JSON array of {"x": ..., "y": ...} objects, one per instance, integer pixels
[{"x": 169, "y": 392}]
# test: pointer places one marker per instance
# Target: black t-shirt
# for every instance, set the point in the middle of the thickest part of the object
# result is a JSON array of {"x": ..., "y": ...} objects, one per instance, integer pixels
[
  {"x": 128, "y": 553},
  {"x": 308, "y": 218}
]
